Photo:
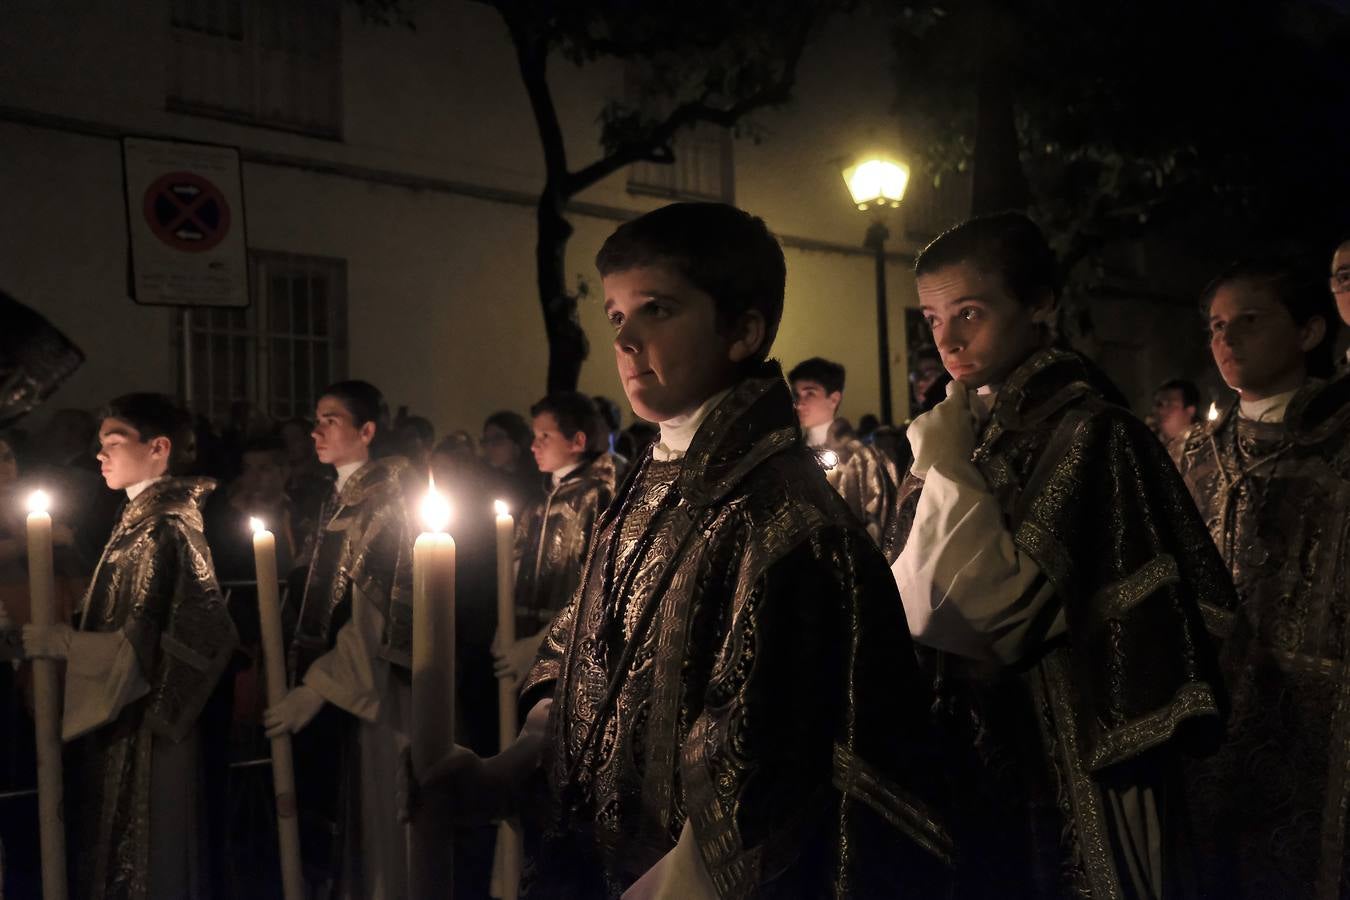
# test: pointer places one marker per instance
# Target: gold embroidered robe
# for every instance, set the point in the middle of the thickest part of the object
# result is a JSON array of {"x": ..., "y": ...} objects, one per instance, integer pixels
[
  {"x": 1271, "y": 806},
  {"x": 136, "y": 777},
  {"x": 737, "y": 658}
]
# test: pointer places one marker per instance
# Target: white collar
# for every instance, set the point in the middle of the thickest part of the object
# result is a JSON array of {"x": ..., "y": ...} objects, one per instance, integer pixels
[
  {"x": 678, "y": 433},
  {"x": 818, "y": 435},
  {"x": 1271, "y": 409},
  {"x": 562, "y": 472},
  {"x": 345, "y": 472},
  {"x": 135, "y": 490}
]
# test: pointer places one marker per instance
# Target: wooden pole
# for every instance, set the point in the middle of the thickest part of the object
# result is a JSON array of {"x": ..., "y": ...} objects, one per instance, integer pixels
[
  {"x": 46, "y": 697},
  {"x": 506, "y": 863},
  {"x": 274, "y": 661}
]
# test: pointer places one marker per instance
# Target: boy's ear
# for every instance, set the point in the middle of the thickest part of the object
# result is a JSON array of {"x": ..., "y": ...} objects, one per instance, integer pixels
[
  {"x": 1312, "y": 332},
  {"x": 367, "y": 433},
  {"x": 577, "y": 443},
  {"x": 161, "y": 446},
  {"x": 1043, "y": 310},
  {"x": 747, "y": 337},
  {"x": 836, "y": 398}
]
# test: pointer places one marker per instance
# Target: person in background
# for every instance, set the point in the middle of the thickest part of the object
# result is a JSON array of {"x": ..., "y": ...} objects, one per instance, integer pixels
[{"x": 505, "y": 445}]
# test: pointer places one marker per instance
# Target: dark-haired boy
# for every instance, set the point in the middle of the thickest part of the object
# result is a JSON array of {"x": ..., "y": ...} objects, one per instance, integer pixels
[
  {"x": 152, "y": 640},
  {"x": 728, "y": 706},
  {"x": 553, "y": 534},
  {"x": 1271, "y": 476},
  {"x": 865, "y": 477},
  {"x": 1055, "y": 563}
]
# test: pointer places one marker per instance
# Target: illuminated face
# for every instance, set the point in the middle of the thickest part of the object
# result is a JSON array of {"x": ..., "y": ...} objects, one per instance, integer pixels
[
  {"x": 981, "y": 330},
  {"x": 552, "y": 449},
  {"x": 337, "y": 439},
  {"x": 1256, "y": 343},
  {"x": 1340, "y": 280},
  {"x": 125, "y": 459},
  {"x": 815, "y": 406},
  {"x": 670, "y": 352},
  {"x": 1172, "y": 414}
]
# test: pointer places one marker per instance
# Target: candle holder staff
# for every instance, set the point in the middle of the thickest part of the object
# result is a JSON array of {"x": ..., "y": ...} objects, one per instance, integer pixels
[
  {"x": 351, "y": 656},
  {"x": 153, "y": 636}
]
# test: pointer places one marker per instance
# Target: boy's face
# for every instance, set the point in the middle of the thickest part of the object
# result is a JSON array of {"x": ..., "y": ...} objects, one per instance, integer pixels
[
  {"x": 262, "y": 477},
  {"x": 552, "y": 449},
  {"x": 1256, "y": 343},
  {"x": 337, "y": 439},
  {"x": 981, "y": 330},
  {"x": 670, "y": 352},
  {"x": 499, "y": 451},
  {"x": 1340, "y": 280},
  {"x": 125, "y": 459},
  {"x": 815, "y": 406}
]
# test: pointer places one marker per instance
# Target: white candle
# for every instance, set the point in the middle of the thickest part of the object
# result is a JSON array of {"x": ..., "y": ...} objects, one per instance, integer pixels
[
  {"x": 507, "y": 862},
  {"x": 274, "y": 661},
  {"x": 46, "y": 693},
  {"x": 433, "y": 685}
]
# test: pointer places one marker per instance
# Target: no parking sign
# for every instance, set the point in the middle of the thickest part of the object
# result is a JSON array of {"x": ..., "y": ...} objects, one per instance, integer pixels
[{"x": 185, "y": 215}]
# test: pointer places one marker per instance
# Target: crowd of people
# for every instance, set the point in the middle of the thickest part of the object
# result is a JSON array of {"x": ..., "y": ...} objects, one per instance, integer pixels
[{"x": 1029, "y": 645}]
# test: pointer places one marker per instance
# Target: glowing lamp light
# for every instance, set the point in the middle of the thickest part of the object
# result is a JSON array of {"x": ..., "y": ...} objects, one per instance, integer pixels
[
  {"x": 256, "y": 524},
  {"x": 877, "y": 181},
  {"x": 435, "y": 511},
  {"x": 500, "y": 507},
  {"x": 828, "y": 459},
  {"x": 1213, "y": 412},
  {"x": 39, "y": 502}
]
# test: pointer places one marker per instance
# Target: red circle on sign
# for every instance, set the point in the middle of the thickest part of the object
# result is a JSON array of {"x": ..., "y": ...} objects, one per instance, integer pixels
[{"x": 187, "y": 212}]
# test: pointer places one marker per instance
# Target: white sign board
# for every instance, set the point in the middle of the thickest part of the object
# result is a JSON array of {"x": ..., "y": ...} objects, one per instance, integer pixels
[{"x": 185, "y": 215}]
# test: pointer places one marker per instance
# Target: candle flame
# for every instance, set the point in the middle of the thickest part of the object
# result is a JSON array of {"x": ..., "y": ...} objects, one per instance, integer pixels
[
  {"x": 828, "y": 459},
  {"x": 39, "y": 502},
  {"x": 1213, "y": 412},
  {"x": 501, "y": 507},
  {"x": 435, "y": 511},
  {"x": 256, "y": 524}
]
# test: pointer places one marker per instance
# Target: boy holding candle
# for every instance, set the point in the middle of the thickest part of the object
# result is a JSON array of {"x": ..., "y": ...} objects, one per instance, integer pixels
[
  {"x": 554, "y": 533},
  {"x": 152, "y": 640},
  {"x": 350, "y": 657},
  {"x": 1054, "y": 566},
  {"x": 729, "y": 705}
]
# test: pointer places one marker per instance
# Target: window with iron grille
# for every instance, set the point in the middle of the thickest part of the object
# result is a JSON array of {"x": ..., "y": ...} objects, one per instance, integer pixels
[
  {"x": 279, "y": 352},
  {"x": 275, "y": 63},
  {"x": 702, "y": 169}
]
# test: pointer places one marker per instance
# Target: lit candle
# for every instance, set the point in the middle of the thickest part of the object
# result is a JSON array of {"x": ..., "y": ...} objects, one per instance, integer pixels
[
  {"x": 1213, "y": 412},
  {"x": 433, "y": 683},
  {"x": 46, "y": 690},
  {"x": 507, "y": 862},
  {"x": 274, "y": 661}
]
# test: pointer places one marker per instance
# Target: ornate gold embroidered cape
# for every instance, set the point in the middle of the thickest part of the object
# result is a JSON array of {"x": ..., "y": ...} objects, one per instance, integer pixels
[
  {"x": 156, "y": 584},
  {"x": 1092, "y": 497},
  {"x": 1271, "y": 806},
  {"x": 737, "y": 658},
  {"x": 869, "y": 483},
  {"x": 552, "y": 537}
]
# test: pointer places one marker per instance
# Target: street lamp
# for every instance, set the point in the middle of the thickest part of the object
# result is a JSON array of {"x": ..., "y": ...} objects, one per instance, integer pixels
[{"x": 877, "y": 183}]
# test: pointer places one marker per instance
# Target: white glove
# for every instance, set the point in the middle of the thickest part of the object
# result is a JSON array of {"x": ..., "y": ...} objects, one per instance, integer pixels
[
  {"x": 293, "y": 712},
  {"x": 46, "y": 641},
  {"x": 515, "y": 662},
  {"x": 947, "y": 431}
]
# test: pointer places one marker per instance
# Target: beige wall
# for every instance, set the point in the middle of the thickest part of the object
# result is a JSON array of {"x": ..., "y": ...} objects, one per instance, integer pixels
[{"x": 441, "y": 304}]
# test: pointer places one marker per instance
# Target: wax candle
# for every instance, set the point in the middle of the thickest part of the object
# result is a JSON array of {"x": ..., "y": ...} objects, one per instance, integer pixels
[{"x": 507, "y": 862}]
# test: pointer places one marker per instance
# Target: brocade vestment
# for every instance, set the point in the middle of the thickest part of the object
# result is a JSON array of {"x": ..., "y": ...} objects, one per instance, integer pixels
[
  {"x": 353, "y": 645},
  {"x": 737, "y": 658},
  {"x": 1062, "y": 760},
  {"x": 552, "y": 538},
  {"x": 869, "y": 483},
  {"x": 153, "y": 640},
  {"x": 1271, "y": 806}
]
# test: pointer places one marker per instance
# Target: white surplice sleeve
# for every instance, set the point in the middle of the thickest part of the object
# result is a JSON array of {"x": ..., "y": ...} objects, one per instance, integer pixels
[
  {"x": 103, "y": 675},
  {"x": 351, "y": 675},
  {"x": 965, "y": 586}
]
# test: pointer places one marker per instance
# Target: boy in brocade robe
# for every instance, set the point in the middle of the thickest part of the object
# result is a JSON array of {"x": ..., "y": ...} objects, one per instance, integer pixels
[
  {"x": 729, "y": 705},
  {"x": 864, "y": 476},
  {"x": 1053, "y": 565},
  {"x": 152, "y": 639},
  {"x": 1271, "y": 476}
]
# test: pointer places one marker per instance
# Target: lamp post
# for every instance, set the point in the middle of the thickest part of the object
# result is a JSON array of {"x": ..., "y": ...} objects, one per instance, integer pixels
[{"x": 878, "y": 183}]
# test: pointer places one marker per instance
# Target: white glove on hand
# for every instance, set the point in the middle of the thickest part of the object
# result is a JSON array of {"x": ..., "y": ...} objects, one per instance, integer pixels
[
  {"x": 46, "y": 641},
  {"x": 947, "y": 431},
  {"x": 515, "y": 662},
  {"x": 293, "y": 712}
]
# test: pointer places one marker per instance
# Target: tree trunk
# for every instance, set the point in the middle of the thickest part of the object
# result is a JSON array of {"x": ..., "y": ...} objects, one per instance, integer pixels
[{"x": 567, "y": 344}]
